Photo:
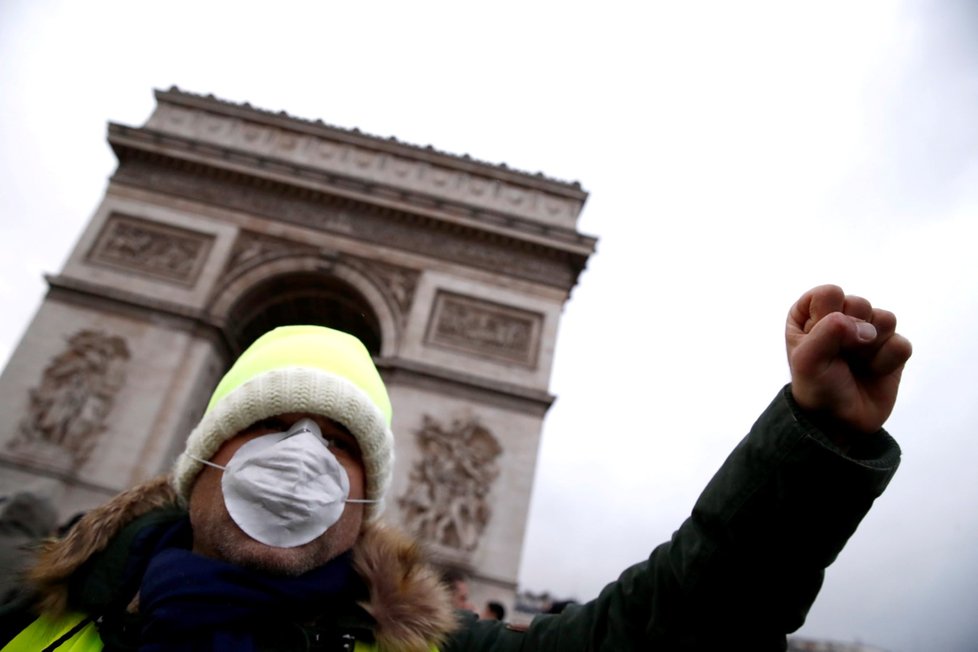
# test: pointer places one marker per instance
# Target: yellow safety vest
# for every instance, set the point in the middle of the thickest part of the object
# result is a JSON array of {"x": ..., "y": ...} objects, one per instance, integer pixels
[{"x": 45, "y": 631}]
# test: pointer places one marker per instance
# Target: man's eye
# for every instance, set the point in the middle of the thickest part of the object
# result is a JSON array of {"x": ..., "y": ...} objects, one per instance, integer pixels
[
  {"x": 340, "y": 445},
  {"x": 272, "y": 423}
]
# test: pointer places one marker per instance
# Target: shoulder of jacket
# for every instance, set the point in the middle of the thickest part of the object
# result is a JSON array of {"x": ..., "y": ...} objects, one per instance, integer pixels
[
  {"x": 106, "y": 531},
  {"x": 410, "y": 605}
]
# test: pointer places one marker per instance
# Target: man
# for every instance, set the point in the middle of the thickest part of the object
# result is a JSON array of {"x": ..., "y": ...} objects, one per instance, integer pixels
[
  {"x": 261, "y": 539},
  {"x": 458, "y": 588},
  {"x": 26, "y": 518},
  {"x": 494, "y": 611}
]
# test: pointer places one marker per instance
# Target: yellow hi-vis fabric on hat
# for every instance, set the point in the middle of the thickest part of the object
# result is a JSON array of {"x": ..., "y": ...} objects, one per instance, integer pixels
[
  {"x": 309, "y": 369},
  {"x": 315, "y": 347}
]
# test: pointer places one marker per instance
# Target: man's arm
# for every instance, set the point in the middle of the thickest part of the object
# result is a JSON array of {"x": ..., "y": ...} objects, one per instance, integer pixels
[{"x": 744, "y": 568}]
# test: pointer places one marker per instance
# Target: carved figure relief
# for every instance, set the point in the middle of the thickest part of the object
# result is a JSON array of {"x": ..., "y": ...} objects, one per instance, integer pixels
[
  {"x": 484, "y": 328},
  {"x": 165, "y": 252},
  {"x": 68, "y": 409},
  {"x": 252, "y": 247},
  {"x": 446, "y": 502},
  {"x": 398, "y": 283},
  {"x": 312, "y": 212}
]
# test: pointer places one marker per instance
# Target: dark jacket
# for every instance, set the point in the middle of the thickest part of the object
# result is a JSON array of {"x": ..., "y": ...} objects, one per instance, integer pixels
[
  {"x": 743, "y": 569},
  {"x": 740, "y": 573},
  {"x": 25, "y": 519}
]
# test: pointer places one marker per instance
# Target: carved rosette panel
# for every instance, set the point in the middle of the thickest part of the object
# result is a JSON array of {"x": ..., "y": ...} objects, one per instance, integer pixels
[
  {"x": 67, "y": 410},
  {"x": 251, "y": 248},
  {"x": 159, "y": 250},
  {"x": 446, "y": 502},
  {"x": 484, "y": 328}
]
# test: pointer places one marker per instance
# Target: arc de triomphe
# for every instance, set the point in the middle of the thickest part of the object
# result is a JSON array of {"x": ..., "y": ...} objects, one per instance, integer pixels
[{"x": 222, "y": 221}]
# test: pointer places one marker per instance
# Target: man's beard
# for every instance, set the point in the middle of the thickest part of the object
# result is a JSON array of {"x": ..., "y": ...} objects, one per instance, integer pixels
[
  {"x": 249, "y": 553},
  {"x": 229, "y": 543}
]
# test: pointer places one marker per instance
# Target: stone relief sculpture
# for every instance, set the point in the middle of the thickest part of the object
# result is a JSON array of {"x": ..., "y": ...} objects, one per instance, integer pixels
[
  {"x": 253, "y": 247},
  {"x": 446, "y": 502},
  {"x": 398, "y": 282},
  {"x": 67, "y": 410},
  {"x": 318, "y": 213},
  {"x": 484, "y": 328},
  {"x": 160, "y": 250}
]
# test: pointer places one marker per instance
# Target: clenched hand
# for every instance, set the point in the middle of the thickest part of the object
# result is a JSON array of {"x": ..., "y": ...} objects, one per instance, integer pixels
[{"x": 846, "y": 359}]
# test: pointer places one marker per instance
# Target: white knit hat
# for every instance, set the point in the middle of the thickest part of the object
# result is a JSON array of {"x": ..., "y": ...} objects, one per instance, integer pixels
[{"x": 309, "y": 369}]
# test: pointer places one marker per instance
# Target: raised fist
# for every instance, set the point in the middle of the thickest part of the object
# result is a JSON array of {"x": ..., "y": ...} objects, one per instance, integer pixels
[{"x": 846, "y": 360}]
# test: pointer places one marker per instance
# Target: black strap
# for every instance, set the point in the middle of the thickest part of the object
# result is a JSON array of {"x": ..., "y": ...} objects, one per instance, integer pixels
[{"x": 67, "y": 635}]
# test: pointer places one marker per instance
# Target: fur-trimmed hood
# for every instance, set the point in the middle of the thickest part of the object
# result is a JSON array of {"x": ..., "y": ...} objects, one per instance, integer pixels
[{"x": 409, "y": 604}]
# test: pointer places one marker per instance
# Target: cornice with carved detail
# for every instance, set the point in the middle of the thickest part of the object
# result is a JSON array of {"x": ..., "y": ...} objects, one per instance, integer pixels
[
  {"x": 303, "y": 177},
  {"x": 280, "y": 136},
  {"x": 461, "y": 244}
]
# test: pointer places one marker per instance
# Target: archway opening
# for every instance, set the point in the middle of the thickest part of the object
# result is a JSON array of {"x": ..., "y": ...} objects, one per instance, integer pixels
[{"x": 302, "y": 298}]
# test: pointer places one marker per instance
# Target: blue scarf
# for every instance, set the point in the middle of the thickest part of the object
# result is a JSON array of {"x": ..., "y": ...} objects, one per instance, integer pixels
[{"x": 192, "y": 603}]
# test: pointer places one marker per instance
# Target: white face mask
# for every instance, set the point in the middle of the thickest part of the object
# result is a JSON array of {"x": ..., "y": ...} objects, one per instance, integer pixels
[{"x": 285, "y": 489}]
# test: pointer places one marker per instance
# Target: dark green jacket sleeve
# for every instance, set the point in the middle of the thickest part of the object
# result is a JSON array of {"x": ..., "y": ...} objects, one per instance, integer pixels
[{"x": 743, "y": 569}]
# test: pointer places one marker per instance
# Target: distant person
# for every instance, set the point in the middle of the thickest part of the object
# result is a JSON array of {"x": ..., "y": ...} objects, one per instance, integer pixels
[
  {"x": 25, "y": 519},
  {"x": 266, "y": 536},
  {"x": 558, "y": 606},
  {"x": 458, "y": 587},
  {"x": 493, "y": 611}
]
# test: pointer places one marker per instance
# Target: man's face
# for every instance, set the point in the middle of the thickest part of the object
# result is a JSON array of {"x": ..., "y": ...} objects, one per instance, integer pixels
[
  {"x": 216, "y": 534},
  {"x": 460, "y": 595}
]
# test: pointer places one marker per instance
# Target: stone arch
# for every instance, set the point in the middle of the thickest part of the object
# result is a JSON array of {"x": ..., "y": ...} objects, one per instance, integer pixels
[{"x": 308, "y": 288}]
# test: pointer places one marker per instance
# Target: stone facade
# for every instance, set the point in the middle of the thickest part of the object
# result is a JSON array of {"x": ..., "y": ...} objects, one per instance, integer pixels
[{"x": 222, "y": 221}]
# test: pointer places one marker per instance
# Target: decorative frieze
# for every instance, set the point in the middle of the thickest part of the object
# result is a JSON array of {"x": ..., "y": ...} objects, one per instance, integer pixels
[
  {"x": 386, "y": 228},
  {"x": 484, "y": 328},
  {"x": 67, "y": 411},
  {"x": 159, "y": 250},
  {"x": 378, "y": 161},
  {"x": 447, "y": 499}
]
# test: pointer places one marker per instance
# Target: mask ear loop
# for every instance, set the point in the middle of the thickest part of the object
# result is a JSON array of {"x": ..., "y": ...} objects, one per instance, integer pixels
[{"x": 211, "y": 464}]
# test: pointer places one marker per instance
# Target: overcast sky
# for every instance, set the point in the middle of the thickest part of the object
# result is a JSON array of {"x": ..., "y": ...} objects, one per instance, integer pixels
[{"x": 736, "y": 154}]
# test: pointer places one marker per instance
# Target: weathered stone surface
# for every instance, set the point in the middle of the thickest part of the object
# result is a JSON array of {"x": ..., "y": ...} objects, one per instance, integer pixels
[
  {"x": 482, "y": 328},
  {"x": 468, "y": 246},
  {"x": 68, "y": 408},
  {"x": 165, "y": 252},
  {"x": 447, "y": 500},
  {"x": 377, "y": 160},
  {"x": 223, "y": 220}
]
